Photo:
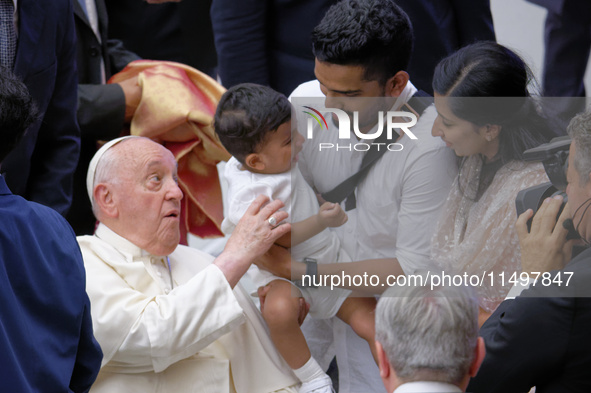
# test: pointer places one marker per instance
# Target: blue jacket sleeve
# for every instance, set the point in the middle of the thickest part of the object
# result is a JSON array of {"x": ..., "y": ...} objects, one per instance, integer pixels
[{"x": 89, "y": 355}]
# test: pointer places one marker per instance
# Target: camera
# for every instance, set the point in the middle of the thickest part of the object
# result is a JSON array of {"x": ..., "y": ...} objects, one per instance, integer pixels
[{"x": 554, "y": 157}]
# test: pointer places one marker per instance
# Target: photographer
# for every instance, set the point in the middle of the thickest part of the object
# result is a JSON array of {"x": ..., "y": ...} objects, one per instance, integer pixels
[{"x": 540, "y": 338}]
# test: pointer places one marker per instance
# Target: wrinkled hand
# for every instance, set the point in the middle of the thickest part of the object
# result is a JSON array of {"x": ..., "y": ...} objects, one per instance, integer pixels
[
  {"x": 304, "y": 307},
  {"x": 331, "y": 215},
  {"x": 543, "y": 248},
  {"x": 133, "y": 94},
  {"x": 276, "y": 260},
  {"x": 252, "y": 237}
]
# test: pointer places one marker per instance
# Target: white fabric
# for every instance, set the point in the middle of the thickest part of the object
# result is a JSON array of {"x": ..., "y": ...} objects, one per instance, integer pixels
[
  {"x": 319, "y": 385},
  {"x": 309, "y": 372},
  {"x": 289, "y": 187},
  {"x": 479, "y": 237},
  {"x": 300, "y": 203},
  {"x": 92, "y": 15},
  {"x": 198, "y": 335},
  {"x": 518, "y": 288},
  {"x": 398, "y": 204},
  {"x": 427, "y": 387},
  {"x": 399, "y": 200}
]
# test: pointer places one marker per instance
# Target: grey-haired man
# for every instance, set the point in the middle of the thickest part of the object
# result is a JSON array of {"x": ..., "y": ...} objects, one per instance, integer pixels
[{"x": 427, "y": 339}]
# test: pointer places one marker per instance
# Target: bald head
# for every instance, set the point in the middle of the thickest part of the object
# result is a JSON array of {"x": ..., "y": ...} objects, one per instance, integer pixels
[{"x": 135, "y": 193}]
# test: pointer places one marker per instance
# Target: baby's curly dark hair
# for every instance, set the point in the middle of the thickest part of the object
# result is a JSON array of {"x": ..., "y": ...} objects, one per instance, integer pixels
[{"x": 246, "y": 114}]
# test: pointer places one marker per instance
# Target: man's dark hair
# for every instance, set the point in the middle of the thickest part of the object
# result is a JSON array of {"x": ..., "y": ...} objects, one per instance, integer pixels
[
  {"x": 374, "y": 34},
  {"x": 246, "y": 114},
  {"x": 17, "y": 111}
]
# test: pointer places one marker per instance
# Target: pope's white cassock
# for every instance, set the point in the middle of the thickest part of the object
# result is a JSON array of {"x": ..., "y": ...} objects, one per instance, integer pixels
[{"x": 175, "y": 327}]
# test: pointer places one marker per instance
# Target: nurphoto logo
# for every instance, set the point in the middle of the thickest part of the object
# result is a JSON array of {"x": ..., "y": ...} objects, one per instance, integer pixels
[{"x": 392, "y": 123}]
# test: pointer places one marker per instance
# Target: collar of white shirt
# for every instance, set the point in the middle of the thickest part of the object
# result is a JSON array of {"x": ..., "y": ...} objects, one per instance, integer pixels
[
  {"x": 120, "y": 243},
  {"x": 406, "y": 94},
  {"x": 427, "y": 387}
]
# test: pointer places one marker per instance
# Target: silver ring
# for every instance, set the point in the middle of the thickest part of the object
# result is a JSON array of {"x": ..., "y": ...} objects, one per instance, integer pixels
[{"x": 272, "y": 221}]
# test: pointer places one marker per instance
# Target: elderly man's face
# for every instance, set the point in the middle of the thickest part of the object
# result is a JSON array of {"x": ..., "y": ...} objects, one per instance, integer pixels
[{"x": 148, "y": 197}]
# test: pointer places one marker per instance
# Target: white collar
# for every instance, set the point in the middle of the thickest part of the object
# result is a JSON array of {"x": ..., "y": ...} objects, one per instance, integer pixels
[
  {"x": 120, "y": 243},
  {"x": 427, "y": 387},
  {"x": 406, "y": 94}
]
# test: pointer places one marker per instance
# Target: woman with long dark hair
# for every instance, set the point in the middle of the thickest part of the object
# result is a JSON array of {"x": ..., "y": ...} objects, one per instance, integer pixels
[{"x": 487, "y": 116}]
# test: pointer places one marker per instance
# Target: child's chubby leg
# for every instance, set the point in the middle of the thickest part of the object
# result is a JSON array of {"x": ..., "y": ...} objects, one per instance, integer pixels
[
  {"x": 359, "y": 313},
  {"x": 281, "y": 311}
]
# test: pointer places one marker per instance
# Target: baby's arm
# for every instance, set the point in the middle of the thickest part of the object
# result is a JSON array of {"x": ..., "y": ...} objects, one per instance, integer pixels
[{"x": 330, "y": 215}]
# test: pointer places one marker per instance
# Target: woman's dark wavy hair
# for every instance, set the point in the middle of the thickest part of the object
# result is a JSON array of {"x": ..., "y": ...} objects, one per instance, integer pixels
[
  {"x": 246, "y": 114},
  {"x": 487, "y": 69},
  {"x": 374, "y": 34}
]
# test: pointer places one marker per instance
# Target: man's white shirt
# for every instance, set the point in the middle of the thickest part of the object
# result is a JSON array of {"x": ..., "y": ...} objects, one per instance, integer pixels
[{"x": 398, "y": 206}]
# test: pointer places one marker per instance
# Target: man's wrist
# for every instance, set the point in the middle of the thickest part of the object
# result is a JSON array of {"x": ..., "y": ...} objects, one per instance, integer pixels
[{"x": 310, "y": 278}]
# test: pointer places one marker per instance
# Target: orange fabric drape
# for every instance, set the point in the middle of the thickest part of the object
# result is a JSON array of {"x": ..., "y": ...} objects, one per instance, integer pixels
[{"x": 176, "y": 109}]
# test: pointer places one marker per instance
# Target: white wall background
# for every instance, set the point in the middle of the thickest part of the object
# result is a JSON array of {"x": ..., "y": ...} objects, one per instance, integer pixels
[{"x": 520, "y": 26}]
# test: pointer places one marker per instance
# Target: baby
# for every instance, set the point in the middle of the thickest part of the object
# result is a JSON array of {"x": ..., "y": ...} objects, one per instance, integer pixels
[{"x": 254, "y": 124}]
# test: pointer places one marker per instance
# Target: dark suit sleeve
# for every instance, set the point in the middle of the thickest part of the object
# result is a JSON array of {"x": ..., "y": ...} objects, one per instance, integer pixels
[
  {"x": 526, "y": 342},
  {"x": 474, "y": 21},
  {"x": 101, "y": 108},
  {"x": 119, "y": 55},
  {"x": 58, "y": 143},
  {"x": 240, "y": 30},
  {"x": 101, "y": 111}
]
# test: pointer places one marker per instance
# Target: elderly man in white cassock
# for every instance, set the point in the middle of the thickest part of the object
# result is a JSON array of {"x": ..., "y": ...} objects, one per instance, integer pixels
[{"x": 170, "y": 318}]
